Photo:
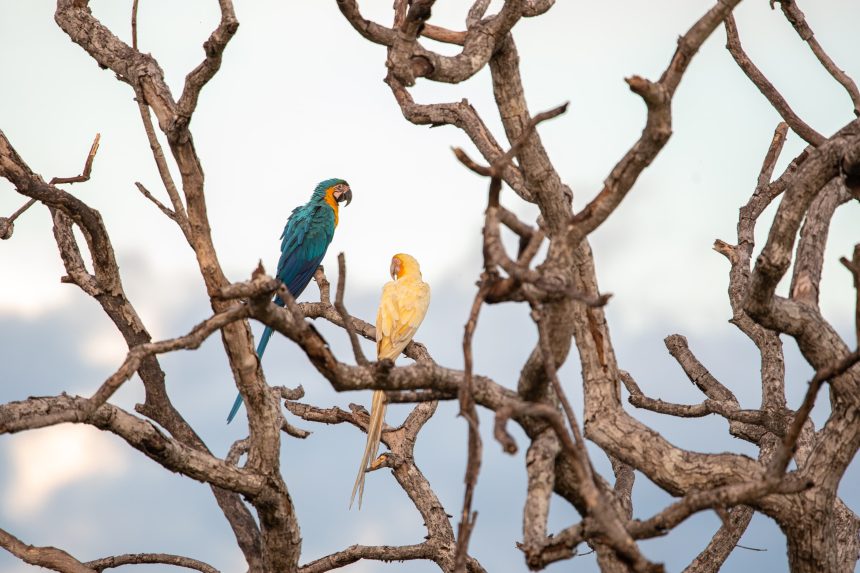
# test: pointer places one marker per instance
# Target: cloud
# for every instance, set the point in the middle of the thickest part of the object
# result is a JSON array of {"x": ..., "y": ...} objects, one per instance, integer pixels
[
  {"x": 104, "y": 348},
  {"x": 43, "y": 462}
]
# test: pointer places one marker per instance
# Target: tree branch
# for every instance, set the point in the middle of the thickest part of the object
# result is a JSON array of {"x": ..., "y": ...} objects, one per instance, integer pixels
[
  {"x": 47, "y": 557},
  {"x": 375, "y": 552},
  {"x": 214, "y": 49},
  {"x": 794, "y": 15},
  {"x": 658, "y": 128},
  {"x": 175, "y": 456},
  {"x": 100, "y": 565},
  {"x": 801, "y": 128},
  {"x": 344, "y": 315}
]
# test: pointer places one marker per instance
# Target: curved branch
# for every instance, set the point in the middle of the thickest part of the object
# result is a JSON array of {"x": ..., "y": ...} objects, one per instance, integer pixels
[
  {"x": 410, "y": 59},
  {"x": 800, "y": 127},
  {"x": 100, "y": 565}
]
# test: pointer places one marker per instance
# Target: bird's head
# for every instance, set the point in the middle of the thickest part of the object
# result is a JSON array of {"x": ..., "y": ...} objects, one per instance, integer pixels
[
  {"x": 403, "y": 265},
  {"x": 333, "y": 191}
]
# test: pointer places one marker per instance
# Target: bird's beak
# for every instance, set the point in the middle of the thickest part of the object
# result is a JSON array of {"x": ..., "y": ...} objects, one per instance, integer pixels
[
  {"x": 395, "y": 268},
  {"x": 345, "y": 196}
]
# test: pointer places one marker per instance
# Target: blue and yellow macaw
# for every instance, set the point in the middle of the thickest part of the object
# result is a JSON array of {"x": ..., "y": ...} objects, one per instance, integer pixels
[
  {"x": 306, "y": 237},
  {"x": 402, "y": 307}
]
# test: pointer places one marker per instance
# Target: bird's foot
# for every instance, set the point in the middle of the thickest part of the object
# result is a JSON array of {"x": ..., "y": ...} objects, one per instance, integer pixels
[{"x": 386, "y": 460}]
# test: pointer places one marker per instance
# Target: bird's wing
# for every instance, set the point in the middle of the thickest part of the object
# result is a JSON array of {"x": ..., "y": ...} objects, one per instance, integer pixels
[
  {"x": 304, "y": 242},
  {"x": 401, "y": 310}
]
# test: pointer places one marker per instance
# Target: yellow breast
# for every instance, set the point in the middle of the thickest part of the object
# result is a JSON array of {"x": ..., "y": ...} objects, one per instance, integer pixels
[{"x": 329, "y": 198}]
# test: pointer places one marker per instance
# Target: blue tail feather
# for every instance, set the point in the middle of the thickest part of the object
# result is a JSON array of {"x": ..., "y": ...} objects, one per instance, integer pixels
[
  {"x": 234, "y": 409},
  {"x": 264, "y": 340},
  {"x": 261, "y": 348}
]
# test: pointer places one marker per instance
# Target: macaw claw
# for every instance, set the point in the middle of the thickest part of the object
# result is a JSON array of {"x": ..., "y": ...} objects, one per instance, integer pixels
[{"x": 380, "y": 462}]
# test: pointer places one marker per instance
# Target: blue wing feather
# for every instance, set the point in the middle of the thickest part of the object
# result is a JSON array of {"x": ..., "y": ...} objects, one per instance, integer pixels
[{"x": 304, "y": 243}]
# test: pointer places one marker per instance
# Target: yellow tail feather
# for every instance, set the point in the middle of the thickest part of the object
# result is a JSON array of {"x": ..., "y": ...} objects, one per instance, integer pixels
[{"x": 374, "y": 434}]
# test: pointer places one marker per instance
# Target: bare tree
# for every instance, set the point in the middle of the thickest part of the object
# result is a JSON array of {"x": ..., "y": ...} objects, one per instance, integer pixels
[{"x": 566, "y": 306}]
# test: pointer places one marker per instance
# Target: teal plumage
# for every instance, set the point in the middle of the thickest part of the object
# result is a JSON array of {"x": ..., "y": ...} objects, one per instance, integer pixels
[{"x": 307, "y": 234}]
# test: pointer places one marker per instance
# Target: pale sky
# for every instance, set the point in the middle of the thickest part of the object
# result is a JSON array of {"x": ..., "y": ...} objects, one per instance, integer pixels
[{"x": 300, "y": 98}]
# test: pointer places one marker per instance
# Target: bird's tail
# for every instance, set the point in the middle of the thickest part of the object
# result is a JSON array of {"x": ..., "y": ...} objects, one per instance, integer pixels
[
  {"x": 261, "y": 348},
  {"x": 374, "y": 434},
  {"x": 264, "y": 340}
]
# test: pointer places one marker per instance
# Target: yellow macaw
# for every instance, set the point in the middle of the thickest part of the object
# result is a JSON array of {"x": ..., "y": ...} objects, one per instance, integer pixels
[{"x": 402, "y": 307}]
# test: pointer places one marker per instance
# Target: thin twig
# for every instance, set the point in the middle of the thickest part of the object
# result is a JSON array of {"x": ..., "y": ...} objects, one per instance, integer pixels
[
  {"x": 853, "y": 267},
  {"x": 181, "y": 217},
  {"x": 499, "y": 165},
  {"x": 800, "y": 127},
  {"x": 512, "y": 222},
  {"x": 798, "y": 20},
  {"x": 469, "y": 412},
  {"x": 323, "y": 285},
  {"x": 134, "y": 24},
  {"x": 464, "y": 158},
  {"x": 750, "y": 548},
  {"x": 162, "y": 207},
  {"x": 773, "y": 151},
  {"x": 88, "y": 166},
  {"x": 6, "y": 224},
  {"x": 344, "y": 315},
  {"x": 293, "y": 431},
  {"x": 16, "y": 214}
]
